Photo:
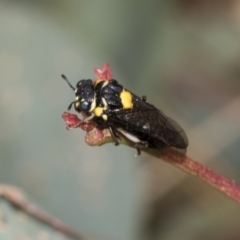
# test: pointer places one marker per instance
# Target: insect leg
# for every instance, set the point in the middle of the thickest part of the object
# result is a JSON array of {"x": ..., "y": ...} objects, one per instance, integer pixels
[
  {"x": 142, "y": 144},
  {"x": 114, "y": 135},
  {"x": 138, "y": 152},
  {"x": 70, "y": 106},
  {"x": 138, "y": 145},
  {"x": 86, "y": 119}
]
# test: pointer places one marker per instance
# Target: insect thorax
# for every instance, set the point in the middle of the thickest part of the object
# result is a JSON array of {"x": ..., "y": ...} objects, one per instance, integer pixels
[{"x": 101, "y": 98}]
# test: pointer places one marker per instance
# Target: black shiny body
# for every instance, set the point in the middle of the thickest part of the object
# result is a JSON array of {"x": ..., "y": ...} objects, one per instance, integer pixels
[
  {"x": 111, "y": 93},
  {"x": 109, "y": 105},
  {"x": 143, "y": 121}
]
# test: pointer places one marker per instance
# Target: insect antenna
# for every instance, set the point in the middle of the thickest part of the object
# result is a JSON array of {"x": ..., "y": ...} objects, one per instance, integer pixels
[
  {"x": 70, "y": 85},
  {"x": 70, "y": 106}
]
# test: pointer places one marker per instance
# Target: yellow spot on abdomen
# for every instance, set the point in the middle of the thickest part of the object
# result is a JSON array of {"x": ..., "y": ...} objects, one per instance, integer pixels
[{"x": 126, "y": 98}]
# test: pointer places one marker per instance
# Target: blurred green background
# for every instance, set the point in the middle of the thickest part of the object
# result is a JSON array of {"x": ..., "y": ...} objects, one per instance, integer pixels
[{"x": 183, "y": 55}]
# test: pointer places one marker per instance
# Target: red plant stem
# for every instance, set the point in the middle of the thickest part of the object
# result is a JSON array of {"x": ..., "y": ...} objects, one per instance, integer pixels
[
  {"x": 223, "y": 184},
  {"x": 196, "y": 169}
]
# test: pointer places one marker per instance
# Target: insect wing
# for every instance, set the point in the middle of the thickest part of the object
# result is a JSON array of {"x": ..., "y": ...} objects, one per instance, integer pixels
[
  {"x": 149, "y": 124},
  {"x": 172, "y": 133}
]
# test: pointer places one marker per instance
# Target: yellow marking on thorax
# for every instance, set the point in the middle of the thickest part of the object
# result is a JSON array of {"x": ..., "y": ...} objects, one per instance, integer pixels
[
  {"x": 93, "y": 104},
  {"x": 104, "y": 103},
  {"x": 126, "y": 99},
  {"x": 77, "y": 104},
  {"x": 98, "y": 81},
  {"x": 98, "y": 111},
  {"x": 106, "y": 82},
  {"x": 105, "y": 117}
]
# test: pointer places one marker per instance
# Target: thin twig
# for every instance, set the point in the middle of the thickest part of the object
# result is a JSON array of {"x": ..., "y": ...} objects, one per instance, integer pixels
[
  {"x": 16, "y": 198},
  {"x": 216, "y": 180}
]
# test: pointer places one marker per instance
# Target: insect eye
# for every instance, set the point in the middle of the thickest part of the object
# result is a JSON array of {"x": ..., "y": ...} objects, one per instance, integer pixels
[{"x": 85, "y": 106}]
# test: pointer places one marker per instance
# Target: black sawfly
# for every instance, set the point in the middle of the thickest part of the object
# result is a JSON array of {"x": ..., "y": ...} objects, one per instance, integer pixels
[{"x": 110, "y": 105}]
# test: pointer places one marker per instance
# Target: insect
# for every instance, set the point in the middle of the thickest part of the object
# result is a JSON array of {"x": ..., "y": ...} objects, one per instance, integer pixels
[{"x": 110, "y": 105}]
